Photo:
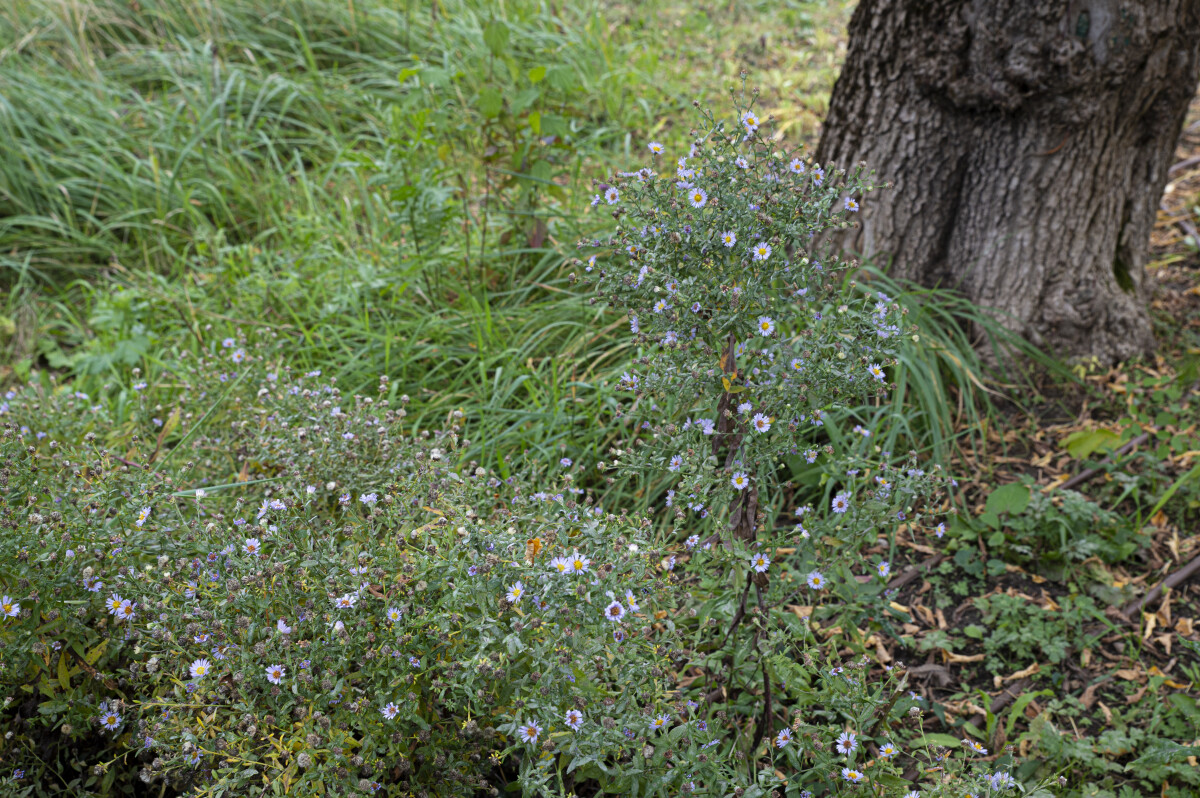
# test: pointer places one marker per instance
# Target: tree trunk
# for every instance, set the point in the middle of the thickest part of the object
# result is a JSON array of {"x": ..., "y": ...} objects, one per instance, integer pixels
[{"x": 1028, "y": 144}]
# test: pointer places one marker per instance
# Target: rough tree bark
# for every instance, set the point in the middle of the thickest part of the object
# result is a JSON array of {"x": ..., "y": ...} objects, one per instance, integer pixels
[{"x": 1028, "y": 142}]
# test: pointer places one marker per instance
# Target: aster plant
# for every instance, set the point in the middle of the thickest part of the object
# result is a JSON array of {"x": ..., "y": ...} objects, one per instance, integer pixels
[{"x": 753, "y": 341}]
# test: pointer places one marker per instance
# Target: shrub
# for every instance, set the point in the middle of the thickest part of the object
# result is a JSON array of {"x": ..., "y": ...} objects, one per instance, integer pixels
[{"x": 323, "y": 600}]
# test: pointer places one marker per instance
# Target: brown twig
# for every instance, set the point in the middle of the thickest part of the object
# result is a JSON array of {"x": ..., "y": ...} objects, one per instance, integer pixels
[
  {"x": 738, "y": 616},
  {"x": 129, "y": 463},
  {"x": 1010, "y": 693},
  {"x": 1188, "y": 230},
  {"x": 1173, "y": 581},
  {"x": 1184, "y": 164},
  {"x": 1006, "y": 697},
  {"x": 766, "y": 719},
  {"x": 913, "y": 571},
  {"x": 1092, "y": 473}
]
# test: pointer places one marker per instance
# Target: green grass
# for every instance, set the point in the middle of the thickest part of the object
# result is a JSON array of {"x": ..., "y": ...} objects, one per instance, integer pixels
[{"x": 394, "y": 189}]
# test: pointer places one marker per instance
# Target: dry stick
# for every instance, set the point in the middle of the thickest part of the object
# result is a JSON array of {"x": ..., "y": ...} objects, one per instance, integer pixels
[
  {"x": 129, "y": 463},
  {"x": 1006, "y": 697},
  {"x": 1188, "y": 230},
  {"x": 1184, "y": 164},
  {"x": 1173, "y": 581},
  {"x": 1092, "y": 473},
  {"x": 766, "y": 719},
  {"x": 913, "y": 571}
]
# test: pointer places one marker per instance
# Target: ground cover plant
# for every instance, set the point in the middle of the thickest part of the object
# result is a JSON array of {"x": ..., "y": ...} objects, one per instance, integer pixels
[{"x": 216, "y": 221}]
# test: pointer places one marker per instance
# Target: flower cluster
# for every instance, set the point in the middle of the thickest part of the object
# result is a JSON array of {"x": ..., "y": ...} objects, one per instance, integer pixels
[{"x": 241, "y": 619}]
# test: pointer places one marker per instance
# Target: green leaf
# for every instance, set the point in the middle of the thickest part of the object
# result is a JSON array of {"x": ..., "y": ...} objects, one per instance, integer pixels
[
  {"x": 514, "y": 644},
  {"x": 1187, "y": 705},
  {"x": 495, "y": 36},
  {"x": 490, "y": 102},
  {"x": 52, "y": 707},
  {"x": 893, "y": 781},
  {"x": 541, "y": 171},
  {"x": 562, "y": 78},
  {"x": 537, "y": 74},
  {"x": 1163, "y": 752},
  {"x": 1011, "y": 498},
  {"x": 1171, "y": 490},
  {"x": 944, "y": 740},
  {"x": 523, "y": 99},
  {"x": 64, "y": 675},
  {"x": 1018, "y": 708},
  {"x": 407, "y": 73},
  {"x": 1082, "y": 443},
  {"x": 96, "y": 652}
]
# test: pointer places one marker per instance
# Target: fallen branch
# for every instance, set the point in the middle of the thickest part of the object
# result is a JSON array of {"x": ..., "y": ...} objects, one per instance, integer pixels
[
  {"x": 1006, "y": 697},
  {"x": 939, "y": 673},
  {"x": 913, "y": 571},
  {"x": 1092, "y": 473},
  {"x": 1188, "y": 230},
  {"x": 1184, "y": 164},
  {"x": 1173, "y": 581}
]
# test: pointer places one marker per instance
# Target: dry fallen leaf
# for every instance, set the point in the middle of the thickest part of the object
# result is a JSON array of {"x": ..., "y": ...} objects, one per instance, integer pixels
[
  {"x": 1185, "y": 626},
  {"x": 1107, "y": 713},
  {"x": 1164, "y": 609},
  {"x": 533, "y": 547},
  {"x": 1130, "y": 674},
  {"x": 1054, "y": 483},
  {"x": 973, "y": 707},
  {"x": 800, "y": 610},
  {"x": 959, "y": 659},
  {"x": 1021, "y": 674}
]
